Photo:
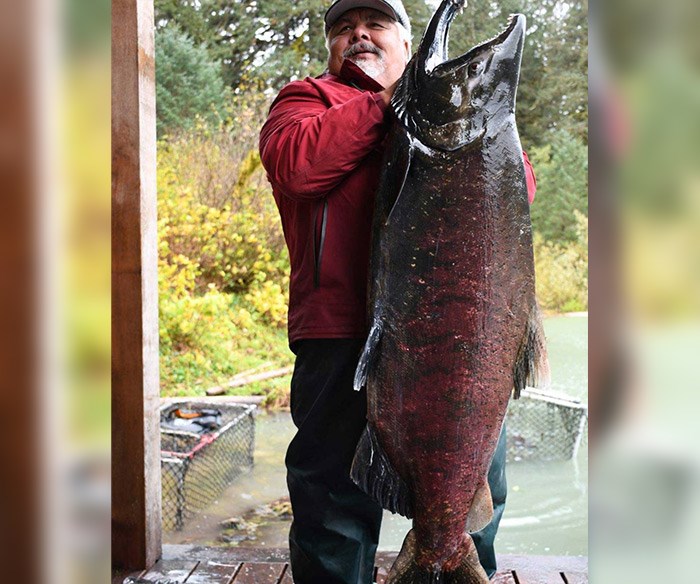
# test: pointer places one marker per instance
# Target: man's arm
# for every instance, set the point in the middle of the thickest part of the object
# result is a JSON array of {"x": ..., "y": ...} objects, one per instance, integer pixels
[{"x": 308, "y": 148}]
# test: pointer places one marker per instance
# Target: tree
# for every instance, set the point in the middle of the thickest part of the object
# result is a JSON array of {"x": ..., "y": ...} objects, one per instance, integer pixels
[
  {"x": 187, "y": 16},
  {"x": 188, "y": 83},
  {"x": 262, "y": 44},
  {"x": 563, "y": 91},
  {"x": 562, "y": 187},
  {"x": 259, "y": 44}
]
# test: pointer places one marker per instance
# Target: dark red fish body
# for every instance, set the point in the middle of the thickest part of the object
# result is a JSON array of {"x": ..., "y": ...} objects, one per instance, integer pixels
[{"x": 455, "y": 327}]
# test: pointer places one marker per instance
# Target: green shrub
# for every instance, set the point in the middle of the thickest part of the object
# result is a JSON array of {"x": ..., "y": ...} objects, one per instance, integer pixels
[
  {"x": 233, "y": 242},
  {"x": 562, "y": 271},
  {"x": 270, "y": 300},
  {"x": 222, "y": 260},
  {"x": 207, "y": 339}
]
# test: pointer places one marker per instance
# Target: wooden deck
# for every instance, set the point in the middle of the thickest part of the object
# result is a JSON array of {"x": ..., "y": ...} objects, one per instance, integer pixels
[{"x": 212, "y": 565}]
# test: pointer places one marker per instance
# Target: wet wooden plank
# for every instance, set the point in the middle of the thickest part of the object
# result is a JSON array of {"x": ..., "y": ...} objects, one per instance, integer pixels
[
  {"x": 542, "y": 569},
  {"x": 119, "y": 576},
  {"x": 172, "y": 571},
  {"x": 259, "y": 574},
  {"x": 503, "y": 578},
  {"x": 531, "y": 569},
  {"x": 535, "y": 576},
  {"x": 576, "y": 577},
  {"x": 383, "y": 562},
  {"x": 380, "y": 574},
  {"x": 385, "y": 559},
  {"x": 213, "y": 573},
  {"x": 566, "y": 564},
  {"x": 287, "y": 576},
  {"x": 226, "y": 555}
]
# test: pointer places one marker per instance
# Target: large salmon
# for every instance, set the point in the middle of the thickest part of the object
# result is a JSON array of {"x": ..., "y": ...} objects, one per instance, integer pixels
[{"x": 455, "y": 327}]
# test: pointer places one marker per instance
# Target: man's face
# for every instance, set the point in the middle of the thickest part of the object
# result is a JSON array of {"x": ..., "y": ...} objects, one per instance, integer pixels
[{"x": 372, "y": 41}]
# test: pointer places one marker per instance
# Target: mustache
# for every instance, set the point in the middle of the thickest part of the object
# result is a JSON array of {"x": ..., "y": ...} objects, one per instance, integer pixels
[{"x": 361, "y": 47}]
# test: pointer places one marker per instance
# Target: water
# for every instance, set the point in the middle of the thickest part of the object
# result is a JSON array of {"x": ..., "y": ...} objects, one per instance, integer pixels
[
  {"x": 546, "y": 509},
  {"x": 265, "y": 484}
]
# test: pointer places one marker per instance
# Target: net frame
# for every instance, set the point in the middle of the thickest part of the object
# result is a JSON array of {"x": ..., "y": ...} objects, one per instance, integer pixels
[
  {"x": 197, "y": 468},
  {"x": 545, "y": 425}
]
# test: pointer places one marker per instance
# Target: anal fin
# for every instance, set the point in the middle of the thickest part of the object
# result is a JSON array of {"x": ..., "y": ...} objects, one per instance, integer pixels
[
  {"x": 373, "y": 473},
  {"x": 481, "y": 510}
]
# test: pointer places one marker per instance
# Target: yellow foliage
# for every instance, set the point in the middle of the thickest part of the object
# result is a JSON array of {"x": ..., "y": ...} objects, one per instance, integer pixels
[
  {"x": 562, "y": 271},
  {"x": 269, "y": 300},
  {"x": 205, "y": 238},
  {"x": 222, "y": 260}
]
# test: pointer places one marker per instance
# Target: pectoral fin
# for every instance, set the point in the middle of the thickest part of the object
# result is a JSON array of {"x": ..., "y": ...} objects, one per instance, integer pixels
[
  {"x": 368, "y": 355},
  {"x": 531, "y": 366},
  {"x": 394, "y": 175}
]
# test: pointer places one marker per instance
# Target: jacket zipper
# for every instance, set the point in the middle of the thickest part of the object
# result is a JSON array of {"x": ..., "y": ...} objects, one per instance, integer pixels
[{"x": 319, "y": 241}]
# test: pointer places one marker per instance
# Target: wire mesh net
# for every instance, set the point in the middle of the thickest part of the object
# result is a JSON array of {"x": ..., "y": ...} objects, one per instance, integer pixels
[
  {"x": 197, "y": 466},
  {"x": 545, "y": 426}
]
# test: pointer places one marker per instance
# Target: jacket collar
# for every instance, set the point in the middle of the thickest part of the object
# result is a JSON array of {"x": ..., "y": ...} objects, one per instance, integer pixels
[{"x": 353, "y": 75}]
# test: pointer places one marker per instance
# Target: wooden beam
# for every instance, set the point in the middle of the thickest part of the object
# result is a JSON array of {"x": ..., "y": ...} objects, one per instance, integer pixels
[
  {"x": 21, "y": 407},
  {"x": 136, "y": 514},
  {"x": 244, "y": 379}
]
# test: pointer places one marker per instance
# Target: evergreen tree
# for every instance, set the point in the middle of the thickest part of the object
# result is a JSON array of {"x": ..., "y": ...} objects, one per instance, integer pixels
[
  {"x": 188, "y": 83},
  {"x": 187, "y": 16},
  {"x": 562, "y": 186},
  {"x": 561, "y": 98},
  {"x": 266, "y": 44},
  {"x": 263, "y": 45}
]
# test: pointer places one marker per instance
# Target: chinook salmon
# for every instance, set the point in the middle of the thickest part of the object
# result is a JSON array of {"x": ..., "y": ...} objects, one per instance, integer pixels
[{"x": 455, "y": 327}]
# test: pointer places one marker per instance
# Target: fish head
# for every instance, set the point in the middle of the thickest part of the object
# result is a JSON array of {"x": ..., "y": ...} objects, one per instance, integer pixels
[{"x": 448, "y": 104}]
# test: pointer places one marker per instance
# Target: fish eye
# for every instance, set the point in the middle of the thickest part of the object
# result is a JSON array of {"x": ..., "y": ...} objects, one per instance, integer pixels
[{"x": 474, "y": 68}]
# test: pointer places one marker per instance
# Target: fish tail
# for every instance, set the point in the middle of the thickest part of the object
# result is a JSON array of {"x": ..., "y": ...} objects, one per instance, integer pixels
[
  {"x": 374, "y": 474},
  {"x": 367, "y": 355},
  {"x": 531, "y": 367},
  {"x": 463, "y": 569}
]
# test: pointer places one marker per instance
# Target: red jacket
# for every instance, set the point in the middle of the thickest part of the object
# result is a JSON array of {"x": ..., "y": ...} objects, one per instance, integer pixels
[{"x": 322, "y": 148}]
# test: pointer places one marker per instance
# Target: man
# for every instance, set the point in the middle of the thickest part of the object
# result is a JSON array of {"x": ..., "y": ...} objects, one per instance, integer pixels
[{"x": 322, "y": 148}]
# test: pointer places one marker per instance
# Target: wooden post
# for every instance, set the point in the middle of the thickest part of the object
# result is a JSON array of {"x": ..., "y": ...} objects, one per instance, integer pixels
[
  {"x": 21, "y": 313},
  {"x": 136, "y": 513}
]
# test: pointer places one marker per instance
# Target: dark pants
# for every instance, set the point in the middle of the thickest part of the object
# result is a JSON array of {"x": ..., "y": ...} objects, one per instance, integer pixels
[
  {"x": 335, "y": 531},
  {"x": 499, "y": 489}
]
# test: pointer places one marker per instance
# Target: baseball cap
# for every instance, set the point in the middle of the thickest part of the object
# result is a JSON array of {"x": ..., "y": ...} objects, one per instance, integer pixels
[{"x": 392, "y": 8}]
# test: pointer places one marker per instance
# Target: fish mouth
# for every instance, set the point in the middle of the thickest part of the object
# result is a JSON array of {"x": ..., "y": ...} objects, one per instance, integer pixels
[
  {"x": 447, "y": 103},
  {"x": 516, "y": 22},
  {"x": 434, "y": 56}
]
